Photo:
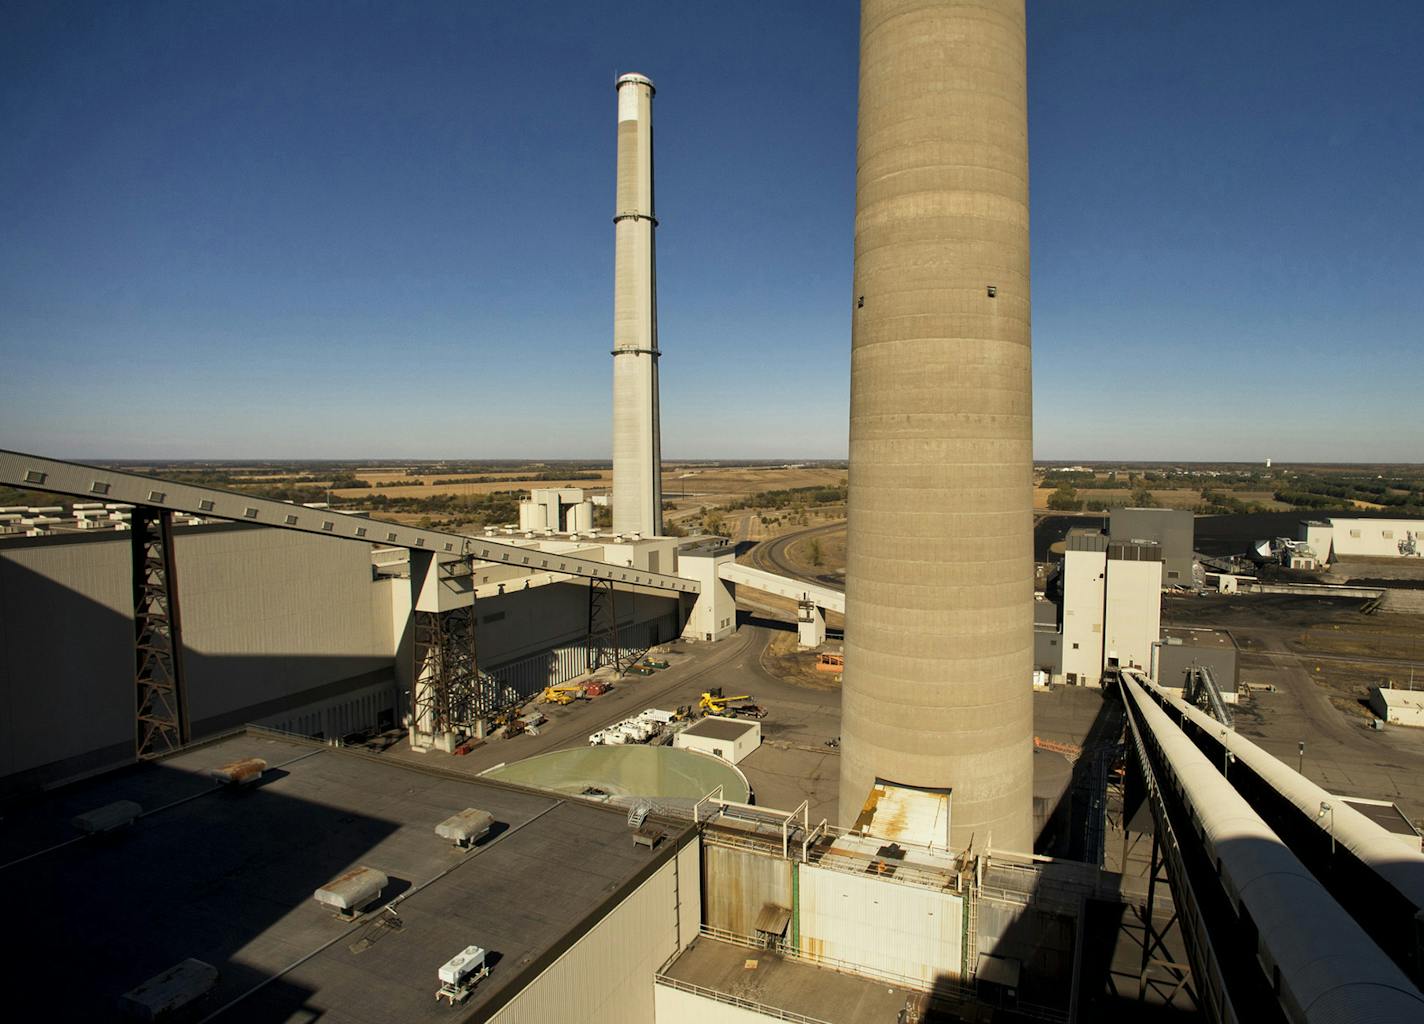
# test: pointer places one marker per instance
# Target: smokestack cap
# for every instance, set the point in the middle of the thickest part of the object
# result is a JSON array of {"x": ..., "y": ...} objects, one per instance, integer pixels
[{"x": 636, "y": 79}]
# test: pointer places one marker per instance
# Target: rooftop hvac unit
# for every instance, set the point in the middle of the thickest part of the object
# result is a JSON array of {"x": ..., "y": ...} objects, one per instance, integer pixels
[
  {"x": 164, "y": 995},
  {"x": 107, "y": 818},
  {"x": 350, "y": 892},
  {"x": 243, "y": 772},
  {"x": 466, "y": 828},
  {"x": 461, "y": 973}
]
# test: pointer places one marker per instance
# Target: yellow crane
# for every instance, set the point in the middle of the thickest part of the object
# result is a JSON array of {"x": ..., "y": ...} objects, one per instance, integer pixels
[
  {"x": 565, "y": 693},
  {"x": 713, "y": 703}
]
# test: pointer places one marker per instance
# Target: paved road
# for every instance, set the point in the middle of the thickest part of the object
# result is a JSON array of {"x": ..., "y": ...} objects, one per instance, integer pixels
[{"x": 771, "y": 555}]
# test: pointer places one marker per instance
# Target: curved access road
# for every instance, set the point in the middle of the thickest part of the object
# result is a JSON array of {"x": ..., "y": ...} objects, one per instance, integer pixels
[{"x": 771, "y": 555}]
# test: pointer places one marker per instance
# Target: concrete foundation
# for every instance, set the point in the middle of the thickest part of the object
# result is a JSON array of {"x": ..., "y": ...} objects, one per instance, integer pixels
[{"x": 939, "y": 582}]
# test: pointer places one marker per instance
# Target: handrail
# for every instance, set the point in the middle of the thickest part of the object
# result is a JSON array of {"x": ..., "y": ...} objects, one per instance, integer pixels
[{"x": 727, "y": 999}]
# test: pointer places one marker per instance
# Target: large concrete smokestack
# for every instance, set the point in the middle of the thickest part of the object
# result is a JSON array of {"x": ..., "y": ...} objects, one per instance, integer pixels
[
  {"x": 637, "y": 441},
  {"x": 939, "y": 581}
]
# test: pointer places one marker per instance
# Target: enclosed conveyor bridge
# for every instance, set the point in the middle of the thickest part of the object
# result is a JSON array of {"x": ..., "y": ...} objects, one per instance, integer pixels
[
  {"x": 35, "y": 473},
  {"x": 1266, "y": 938}
]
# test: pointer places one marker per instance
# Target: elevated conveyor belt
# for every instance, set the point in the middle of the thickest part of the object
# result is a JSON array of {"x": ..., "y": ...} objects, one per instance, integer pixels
[
  {"x": 1266, "y": 940},
  {"x": 782, "y": 586},
  {"x": 95, "y": 483},
  {"x": 1377, "y": 879}
]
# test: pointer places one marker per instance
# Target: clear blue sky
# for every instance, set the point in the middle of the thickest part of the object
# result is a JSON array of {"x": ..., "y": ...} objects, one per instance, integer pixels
[{"x": 349, "y": 230}]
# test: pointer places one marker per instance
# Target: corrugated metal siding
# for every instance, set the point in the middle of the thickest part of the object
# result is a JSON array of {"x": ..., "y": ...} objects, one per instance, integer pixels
[
  {"x": 528, "y": 676},
  {"x": 1041, "y": 940},
  {"x": 738, "y": 882},
  {"x": 607, "y": 976},
  {"x": 339, "y": 716},
  {"x": 903, "y": 930}
]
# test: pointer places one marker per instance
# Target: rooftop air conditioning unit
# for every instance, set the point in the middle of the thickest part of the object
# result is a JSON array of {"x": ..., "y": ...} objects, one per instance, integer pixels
[
  {"x": 107, "y": 818},
  {"x": 461, "y": 973}
]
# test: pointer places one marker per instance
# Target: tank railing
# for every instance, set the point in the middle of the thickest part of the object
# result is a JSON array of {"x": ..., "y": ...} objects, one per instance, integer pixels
[
  {"x": 945, "y": 987},
  {"x": 727, "y": 999},
  {"x": 809, "y": 839},
  {"x": 714, "y": 795}
]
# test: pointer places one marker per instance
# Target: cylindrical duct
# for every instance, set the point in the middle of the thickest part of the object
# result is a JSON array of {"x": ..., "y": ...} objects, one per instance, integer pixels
[
  {"x": 637, "y": 444},
  {"x": 939, "y": 581}
]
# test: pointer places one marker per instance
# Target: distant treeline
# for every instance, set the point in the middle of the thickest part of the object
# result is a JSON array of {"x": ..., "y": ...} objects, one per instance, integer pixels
[
  {"x": 793, "y": 496},
  {"x": 482, "y": 509},
  {"x": 545, "y": 474},
  {"x": 1162, "y": 480}
]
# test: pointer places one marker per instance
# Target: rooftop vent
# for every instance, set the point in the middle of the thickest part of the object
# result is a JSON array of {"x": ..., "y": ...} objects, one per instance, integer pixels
[
  {"x": 107, "y": 818},
  {"x": 350, "y": 892},
  {"x": 243, "y": 772},
  {"x": 466, "y": 828},
  {"x": 164, "y": 995}
]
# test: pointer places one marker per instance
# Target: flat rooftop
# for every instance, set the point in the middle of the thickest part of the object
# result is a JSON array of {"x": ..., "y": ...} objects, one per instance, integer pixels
[
  {"x": 790, "y": 985},
  {"x": 1384, "y": 814},
  {"x": 227, "y": 877},
  {"x": 1198, "y": 636},
  {"x": 719, "y": 729}
]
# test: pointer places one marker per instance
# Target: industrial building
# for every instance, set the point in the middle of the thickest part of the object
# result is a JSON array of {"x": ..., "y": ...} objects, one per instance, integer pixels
[
  {"x": 280, "y": 628},
  {"x": 1183, "y": 652},
  {"x": 726, "y": 738},
  {"x": 1398, "y": 707},
  {"x": 1112, "y": 606},
  {"x": 1172, "y": 530},
  {"x": 583, "y": 922},
  {"x": 557, "y": 509},
  {"x": 244, "y": 865},
  {"x": 1336, "y": 537}
]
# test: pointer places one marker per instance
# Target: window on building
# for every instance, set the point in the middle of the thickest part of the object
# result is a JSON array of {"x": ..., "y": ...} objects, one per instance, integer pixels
[
  {"x": 1354, "y": 533},
  {"x": 1075, "y": 647},
  {"x": 1387, "y": 534}
]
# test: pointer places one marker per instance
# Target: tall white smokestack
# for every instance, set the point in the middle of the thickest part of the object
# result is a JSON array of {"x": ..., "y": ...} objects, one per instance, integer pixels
[{"x": 637, "y": 441}]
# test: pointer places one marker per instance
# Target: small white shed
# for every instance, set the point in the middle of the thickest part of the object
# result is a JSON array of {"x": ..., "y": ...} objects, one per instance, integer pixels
[
  {"x": 1398, "y": 707},
  {"x": 728, "y": 738}
]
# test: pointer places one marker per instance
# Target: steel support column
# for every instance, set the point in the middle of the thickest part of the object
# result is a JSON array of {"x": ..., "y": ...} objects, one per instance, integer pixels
[
  {"x": 160, "y": 700},
  {"x": 603, "y": 646},
  {"x": 448, "y": 692}
]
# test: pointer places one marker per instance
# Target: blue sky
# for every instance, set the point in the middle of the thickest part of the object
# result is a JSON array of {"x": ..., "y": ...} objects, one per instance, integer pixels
[{"x": 352, "y": 230}]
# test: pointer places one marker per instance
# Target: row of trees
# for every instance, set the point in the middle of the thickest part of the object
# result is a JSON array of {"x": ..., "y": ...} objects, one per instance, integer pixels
[
  {"x": 794, "y": 496},
  {"x": 1066, "y": 499}
]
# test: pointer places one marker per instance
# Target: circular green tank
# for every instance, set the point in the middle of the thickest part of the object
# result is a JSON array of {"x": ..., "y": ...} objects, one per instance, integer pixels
[{"x": 667, "y": 774}]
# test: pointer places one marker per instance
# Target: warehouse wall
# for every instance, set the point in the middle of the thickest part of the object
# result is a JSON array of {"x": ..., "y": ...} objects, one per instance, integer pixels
[
  {"x": 881, "y": 925},
  {"x": 739, "y": 882},
  {"x": 676, "y": 1006},
  {"x": 606, "y": 977},
  {"x": 273, "y": 620}
]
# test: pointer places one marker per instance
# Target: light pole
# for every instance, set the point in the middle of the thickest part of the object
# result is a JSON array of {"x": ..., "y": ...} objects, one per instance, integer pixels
[
  {"x": 1324, "y": 807},
  {"x": 1300, "y": 765}
]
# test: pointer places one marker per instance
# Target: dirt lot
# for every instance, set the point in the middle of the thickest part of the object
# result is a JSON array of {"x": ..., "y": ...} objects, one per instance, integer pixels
[
  {"x": 832, "y": 546},
  {"x": 785, "y": 661},
  {"x": 1310, "y": 663}
]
